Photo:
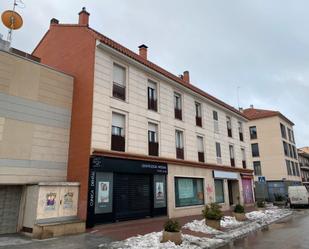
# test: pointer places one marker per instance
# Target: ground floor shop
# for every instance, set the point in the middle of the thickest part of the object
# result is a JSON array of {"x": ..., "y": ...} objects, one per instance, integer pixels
[{"x": 270, "y": 190}]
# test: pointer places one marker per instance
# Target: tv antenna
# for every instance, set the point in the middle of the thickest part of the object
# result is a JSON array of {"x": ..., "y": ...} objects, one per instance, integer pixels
[{"x": 12, "y": 20}]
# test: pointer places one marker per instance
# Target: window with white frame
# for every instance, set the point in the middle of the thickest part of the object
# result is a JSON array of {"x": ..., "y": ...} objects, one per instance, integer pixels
[
  {"x": 152, "y": 132},
  {"x": 118, "y": 124},
  {"x": 179, "y": 139},
  {"x": 232, "y": 155},
  {"x": 152, "y": 95},
  {"x": 119, "y": 81},
  {"x": 216, "y": 121},
  {"x": 229, "y": 126},
  {"x": 218, "y": 153},
  {"x": 200, "y": 148}
]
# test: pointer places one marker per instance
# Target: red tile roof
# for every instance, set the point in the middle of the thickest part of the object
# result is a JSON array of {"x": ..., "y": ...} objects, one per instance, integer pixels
[
  {"x": 109, "y": 42},
  {"x": 252, "y": 114}
]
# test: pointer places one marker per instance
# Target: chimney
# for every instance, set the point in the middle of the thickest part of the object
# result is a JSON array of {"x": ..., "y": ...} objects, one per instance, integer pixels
[
  {"x": 54, "y": 21},
  {"x": 143, "y": 51},
  {"x": 186, "y": 77},
  {"x": 251, "y": 106},
  {"x": 83, "y": 17}
]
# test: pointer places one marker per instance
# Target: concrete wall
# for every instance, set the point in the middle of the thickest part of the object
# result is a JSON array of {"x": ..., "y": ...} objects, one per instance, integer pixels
[
  {"x": 138, "y": 116},
  {"x": 35, "y": 113},
  {"x": 270, "y": 142}
]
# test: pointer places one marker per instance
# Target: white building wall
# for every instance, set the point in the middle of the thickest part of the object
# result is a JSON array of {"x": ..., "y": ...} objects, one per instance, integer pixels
[{"x": 138, "y": 116}]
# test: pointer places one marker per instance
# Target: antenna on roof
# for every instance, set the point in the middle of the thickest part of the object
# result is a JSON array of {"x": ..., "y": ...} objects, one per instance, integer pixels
[{"x": 12, "y": 20}]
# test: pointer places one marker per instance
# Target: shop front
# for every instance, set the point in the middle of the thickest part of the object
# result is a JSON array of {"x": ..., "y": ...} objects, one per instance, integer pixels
[
  {"x": 122, "y": 189},
  {"x": 247, "y": 189}
]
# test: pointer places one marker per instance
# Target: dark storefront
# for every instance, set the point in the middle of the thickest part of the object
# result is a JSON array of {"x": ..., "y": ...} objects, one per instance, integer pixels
[{"x": 121, "y": 189}]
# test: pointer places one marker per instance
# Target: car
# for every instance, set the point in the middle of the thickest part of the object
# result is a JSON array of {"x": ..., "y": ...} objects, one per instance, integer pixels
[{"x": 298, "y": 196}]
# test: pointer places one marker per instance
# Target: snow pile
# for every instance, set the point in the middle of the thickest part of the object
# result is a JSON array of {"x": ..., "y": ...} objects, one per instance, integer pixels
[
  {"x": 200, "y": 226},
  {"x": 152, "y": 241},
  {"x": 268, "y": 216},
  {"x": 230, "y": 222},
  {"x": 254, "y": 215}
]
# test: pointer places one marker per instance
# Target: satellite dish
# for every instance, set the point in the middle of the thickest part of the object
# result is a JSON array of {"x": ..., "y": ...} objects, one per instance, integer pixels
[{"x": 12, "y": 20}]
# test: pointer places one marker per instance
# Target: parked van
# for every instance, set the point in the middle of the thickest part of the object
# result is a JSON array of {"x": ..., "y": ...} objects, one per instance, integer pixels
[{"x": 298, "y": 196}]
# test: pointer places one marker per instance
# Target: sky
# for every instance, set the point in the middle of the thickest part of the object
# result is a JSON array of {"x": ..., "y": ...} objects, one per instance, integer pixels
[{"x": 258, "y": 48}]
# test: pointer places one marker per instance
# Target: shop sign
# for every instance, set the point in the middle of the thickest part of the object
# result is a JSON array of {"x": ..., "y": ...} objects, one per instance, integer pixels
[{"x": 225, "y": 175}]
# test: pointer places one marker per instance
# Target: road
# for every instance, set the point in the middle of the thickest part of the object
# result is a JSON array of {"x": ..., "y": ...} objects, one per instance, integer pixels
[{"x": 291, "y": 233}]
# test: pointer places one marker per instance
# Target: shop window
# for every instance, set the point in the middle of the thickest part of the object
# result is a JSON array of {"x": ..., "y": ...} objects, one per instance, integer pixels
[
  {"x": 219, "y": 191},
  {"x": 189, "y": 191},
  {"x": 119, "y": 82}
]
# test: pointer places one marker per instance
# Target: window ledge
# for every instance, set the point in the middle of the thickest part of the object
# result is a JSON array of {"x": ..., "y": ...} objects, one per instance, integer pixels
[{"x": 190, "y": 207}]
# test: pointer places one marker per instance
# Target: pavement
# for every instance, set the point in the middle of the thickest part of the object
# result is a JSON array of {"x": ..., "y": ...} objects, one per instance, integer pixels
[{"x": 289, "y": 233}]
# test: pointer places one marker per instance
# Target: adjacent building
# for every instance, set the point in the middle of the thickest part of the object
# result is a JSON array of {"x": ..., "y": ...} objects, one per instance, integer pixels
[
  {"x": 143, "y": 141},
  {"x": 274, "y": 152},
  {"x": 35, "y": 117},
  {"x": 303, "y": 157}
]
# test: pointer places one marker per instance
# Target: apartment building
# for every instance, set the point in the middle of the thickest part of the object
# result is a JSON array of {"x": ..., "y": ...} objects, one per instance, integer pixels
[
  {"x": 144, "y": 142},
  {"x": 35, "y": 113},
  {"x": 274, "y": 153},
  {"x": 303, "y": 158}
]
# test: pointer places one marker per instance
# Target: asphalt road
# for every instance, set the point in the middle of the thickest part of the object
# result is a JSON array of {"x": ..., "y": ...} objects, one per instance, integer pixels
[{"x": 291, "y": 233}]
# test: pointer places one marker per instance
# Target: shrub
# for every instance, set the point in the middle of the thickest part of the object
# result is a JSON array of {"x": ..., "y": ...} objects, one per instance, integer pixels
[
  {"x": 172, "y": 226},
  {"x": 260, "y": 204},
  {"x": 278, "y": 197},
  {"x": 212, "y": 212},
  {"x": 239, "y": 209}
]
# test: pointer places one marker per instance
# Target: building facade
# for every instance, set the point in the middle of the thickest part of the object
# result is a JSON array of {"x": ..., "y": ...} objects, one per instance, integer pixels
[
  {"x": 144, "y": 142},
  {"x": 303, "y": 157},
  {"x": 35, "y": 114},
  {"x": 274, "y": 153}
]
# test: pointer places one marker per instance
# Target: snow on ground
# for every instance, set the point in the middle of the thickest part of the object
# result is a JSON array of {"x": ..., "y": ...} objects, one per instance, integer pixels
[
  {"x": 152, "y": 241},
  {"x": 235, "y": 229}
]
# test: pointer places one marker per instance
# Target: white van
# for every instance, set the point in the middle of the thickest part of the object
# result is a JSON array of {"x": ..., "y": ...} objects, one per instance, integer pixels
[{"x": 298, "y": 196}]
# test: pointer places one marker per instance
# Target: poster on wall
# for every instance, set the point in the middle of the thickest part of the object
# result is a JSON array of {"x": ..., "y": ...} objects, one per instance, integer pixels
[
  {"x": 50, "y": 203},
  {"x": 159, "y": 190},
  {"x": 68, "y": 200},
  {"x": 103, "y": 192},
  {"x": 185, "y": 188}
]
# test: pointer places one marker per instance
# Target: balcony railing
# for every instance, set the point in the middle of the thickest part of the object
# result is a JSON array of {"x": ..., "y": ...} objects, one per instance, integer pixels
[
  {"x": 201, "y": 157},
  {"x": 153, "y": 149},
  {"x": 152, "y": 104},
  {"x": 118, "y": 143},
  {"x": 179, "y": 153},
  {"x": 198, "y": 121},
  {"x": 119, "y": 91},
  {"x": 178, "y": 114}
]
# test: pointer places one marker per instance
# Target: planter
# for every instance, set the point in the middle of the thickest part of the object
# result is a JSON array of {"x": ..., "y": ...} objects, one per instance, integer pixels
[
  {"x": 172, "y": 236},
  {"x": 240, "y": 216},
  {"x": 213, "y": 223}
]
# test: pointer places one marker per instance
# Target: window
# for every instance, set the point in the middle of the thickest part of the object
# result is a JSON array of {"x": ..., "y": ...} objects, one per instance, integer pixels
[
  {"x": 294, "y": 151},
  {"x": 232, "y": 156},
  {"x": 153, "y": 145},
  {"x": 253, "y": 132},
  {"x": 257, "y": 168},
  {"x": 297, "y": 169},
  {"x": 179, "y": 144},
  {"x": 283, "y": 130},
  {"x": 152, "y": 96},
  {"x": 118, "y": 138},
  {"x": 293, "y": 139},
  {"x": 177, "y": 106},
  {"x": 243, "y": 155},
  {"x": 218, "y": 153},
  {"x": 216, "y": 121},
  {"x": 219, "y": 191},
  {"x": 229, "y": 126},
  {"x": 189, "y": 191},
  {"x": 240, "y": 130},
  {"x": 288, "y": 167},
  {"x": 200, "y": 149},
  {"x": 255, "y": 150},
  {"x": 119, "y": 82},
  {"x": 293, "y": 169},
  {"x": 198, "y": 114},
  {"x": 291, "y": 152},
  {"x": 285, "y": 148},
  {"x": 290, "y": 134}
]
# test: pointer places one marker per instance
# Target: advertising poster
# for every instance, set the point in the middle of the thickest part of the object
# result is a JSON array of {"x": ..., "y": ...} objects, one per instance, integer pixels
[
  {"x": 159, "y": 191},
  {"x": 68, "y": 200},
  {"x": 50, "y": 203},
  {"x": 103, "y": 192}
]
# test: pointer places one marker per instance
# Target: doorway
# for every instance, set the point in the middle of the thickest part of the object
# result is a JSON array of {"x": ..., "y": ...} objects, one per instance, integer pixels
[{"x": 233, "y": 190}]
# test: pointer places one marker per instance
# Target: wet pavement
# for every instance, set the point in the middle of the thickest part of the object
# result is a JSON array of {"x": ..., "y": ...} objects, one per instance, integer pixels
[{"x": 290, "y": 233}]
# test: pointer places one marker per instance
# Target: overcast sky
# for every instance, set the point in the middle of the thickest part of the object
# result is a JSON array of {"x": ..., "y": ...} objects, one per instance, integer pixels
[{"x": 260, "y": 46}]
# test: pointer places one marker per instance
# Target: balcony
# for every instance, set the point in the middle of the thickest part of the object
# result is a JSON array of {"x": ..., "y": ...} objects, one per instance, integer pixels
[
  {"x": 178, "y": 114},
  {"x": 179, "y": 153},
  {"x": 198, "y": 121},
  {"x": 201, "y": 157},
  {"x": 232, "y": 162},
  {"x": 118, "y": 143},
  {"x": 119, "y": 91},
  {"x": 153, "y": 149},
  {"x": 152, "y": 104}
]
